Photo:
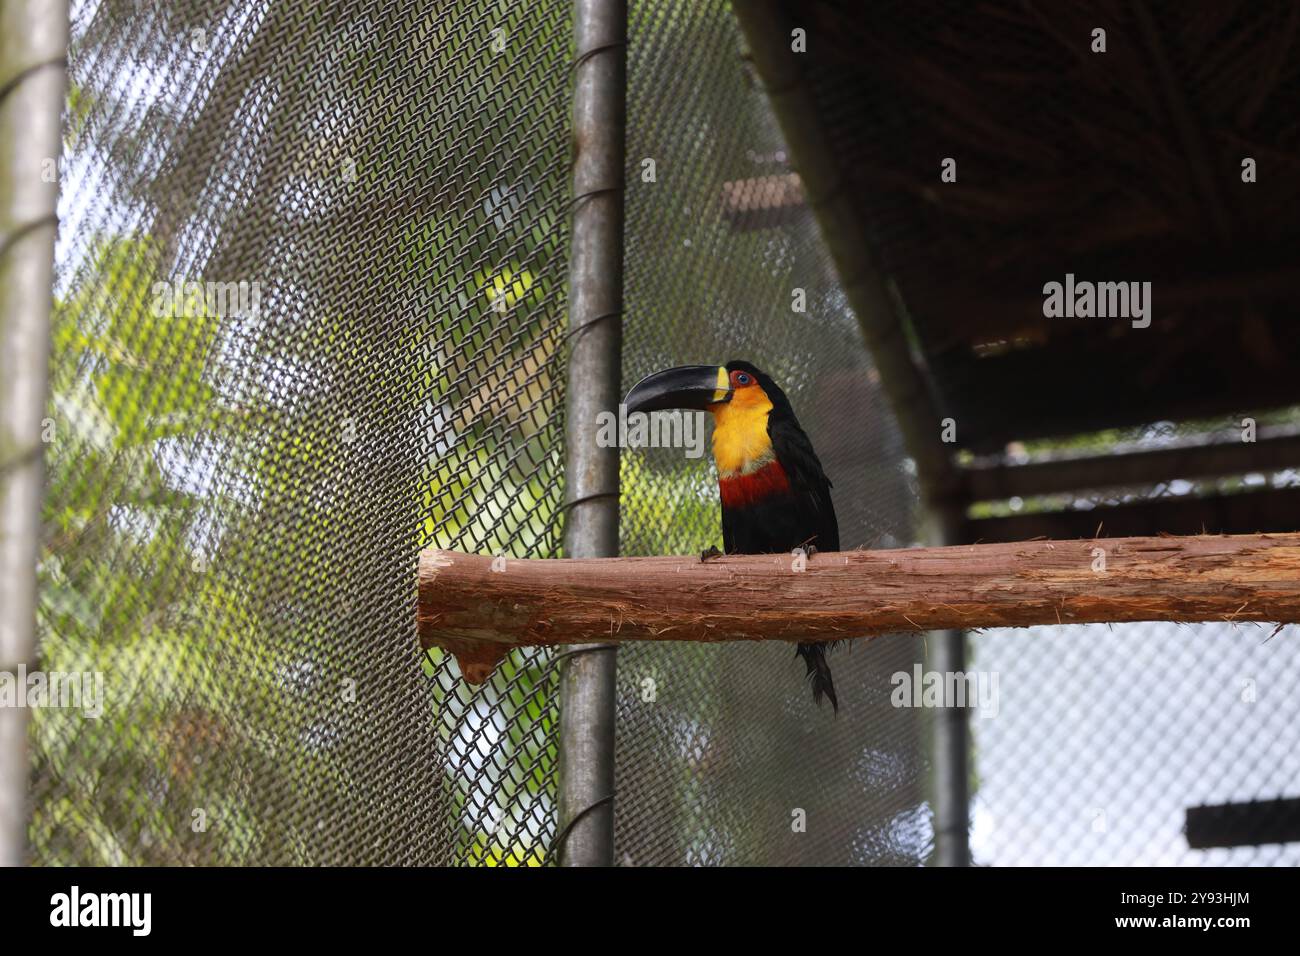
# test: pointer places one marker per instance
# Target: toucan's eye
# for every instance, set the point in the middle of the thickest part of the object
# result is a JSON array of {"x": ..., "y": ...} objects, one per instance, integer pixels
[{"x": 742, "y": 378}]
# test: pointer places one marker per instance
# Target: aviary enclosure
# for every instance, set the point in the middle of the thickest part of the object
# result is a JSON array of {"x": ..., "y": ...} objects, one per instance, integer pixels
[{"x": 339, "y": 288}]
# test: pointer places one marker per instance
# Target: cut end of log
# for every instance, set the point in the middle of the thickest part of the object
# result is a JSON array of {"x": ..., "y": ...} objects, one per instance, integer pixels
[{"x": 476, "y": 659}]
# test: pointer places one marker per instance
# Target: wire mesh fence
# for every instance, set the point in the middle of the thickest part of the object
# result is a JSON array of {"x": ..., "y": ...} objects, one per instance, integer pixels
[
  {"x": 721, "y": 747},
  {"x": 1106, "y": 735},
  {"x": 308, "y": 308},
  {"x": 310, "y": 282}
]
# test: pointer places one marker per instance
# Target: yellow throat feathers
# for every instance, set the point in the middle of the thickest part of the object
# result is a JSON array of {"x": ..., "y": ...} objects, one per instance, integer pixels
[{"x": 741, "y": 445}]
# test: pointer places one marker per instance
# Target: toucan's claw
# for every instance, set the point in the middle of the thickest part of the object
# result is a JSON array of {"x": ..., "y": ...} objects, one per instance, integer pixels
[{"x": 712, "y": 552}]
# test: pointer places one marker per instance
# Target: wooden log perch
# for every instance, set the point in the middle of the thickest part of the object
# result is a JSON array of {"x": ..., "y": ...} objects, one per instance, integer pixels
[{"x": 479, "y": 614}]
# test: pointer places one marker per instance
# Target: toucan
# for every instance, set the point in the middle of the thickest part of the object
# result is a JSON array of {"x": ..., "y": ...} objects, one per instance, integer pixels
[{"x": 775, "y": 495}]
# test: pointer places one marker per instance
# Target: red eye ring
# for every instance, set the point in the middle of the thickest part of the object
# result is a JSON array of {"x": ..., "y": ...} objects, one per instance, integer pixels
[{"x": 742, "y": 378}]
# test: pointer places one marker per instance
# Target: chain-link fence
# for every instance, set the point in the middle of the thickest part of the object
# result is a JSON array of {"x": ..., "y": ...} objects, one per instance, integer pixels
[
  {"x": 310, "y": 282},
  {"x": 1106, "y": 735},
  {"x": 719, "y": 746},
  {"x": 309, "y": 302}
]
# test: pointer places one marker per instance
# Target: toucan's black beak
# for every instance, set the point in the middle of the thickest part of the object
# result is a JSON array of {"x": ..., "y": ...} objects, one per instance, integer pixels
[{"x": 687, "y": 386}]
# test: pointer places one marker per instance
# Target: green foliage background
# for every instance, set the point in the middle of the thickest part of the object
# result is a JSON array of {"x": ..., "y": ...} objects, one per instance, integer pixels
[{"x": 235, "y": 502}]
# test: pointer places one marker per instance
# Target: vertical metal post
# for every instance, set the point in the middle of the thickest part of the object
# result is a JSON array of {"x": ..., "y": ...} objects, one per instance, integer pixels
[
  {"x": 951, "y": 743},
  {"x": 951, "y": 759},
  {"x": 586, "y": 811},
  {"x": 33, "y": 47}
]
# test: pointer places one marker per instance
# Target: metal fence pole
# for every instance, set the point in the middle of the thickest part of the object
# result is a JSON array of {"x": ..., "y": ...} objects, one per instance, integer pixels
[
  {"x": 33, "y": 48},
  {"x": 950, "y": 778},
  {"x": 951, "y": 759},
  {"x": 586, "y": 810}
]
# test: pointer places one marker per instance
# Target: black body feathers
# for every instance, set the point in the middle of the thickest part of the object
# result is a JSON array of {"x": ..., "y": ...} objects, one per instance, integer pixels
[{"x": 803, "y": 518}]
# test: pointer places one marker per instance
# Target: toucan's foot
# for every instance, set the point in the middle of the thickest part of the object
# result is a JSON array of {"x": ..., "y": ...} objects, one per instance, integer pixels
[
  {"x": 712, "y": 552},
  {"x": 810, "y": 549}
]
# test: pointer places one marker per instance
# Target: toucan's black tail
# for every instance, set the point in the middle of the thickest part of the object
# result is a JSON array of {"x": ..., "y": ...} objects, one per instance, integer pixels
[{"x": 819, "y": 672}]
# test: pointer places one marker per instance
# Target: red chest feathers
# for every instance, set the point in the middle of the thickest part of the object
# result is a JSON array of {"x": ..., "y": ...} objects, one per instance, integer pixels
[{"x": 742, "y": 491}]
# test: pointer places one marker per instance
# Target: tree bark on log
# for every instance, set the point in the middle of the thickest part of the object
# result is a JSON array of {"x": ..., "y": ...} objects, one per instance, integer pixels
[{"x": 479, "y": 607}]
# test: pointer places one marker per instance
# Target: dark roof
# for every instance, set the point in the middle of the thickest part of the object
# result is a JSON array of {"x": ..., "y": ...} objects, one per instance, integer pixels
[{"x": 1116, "y": 166}]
